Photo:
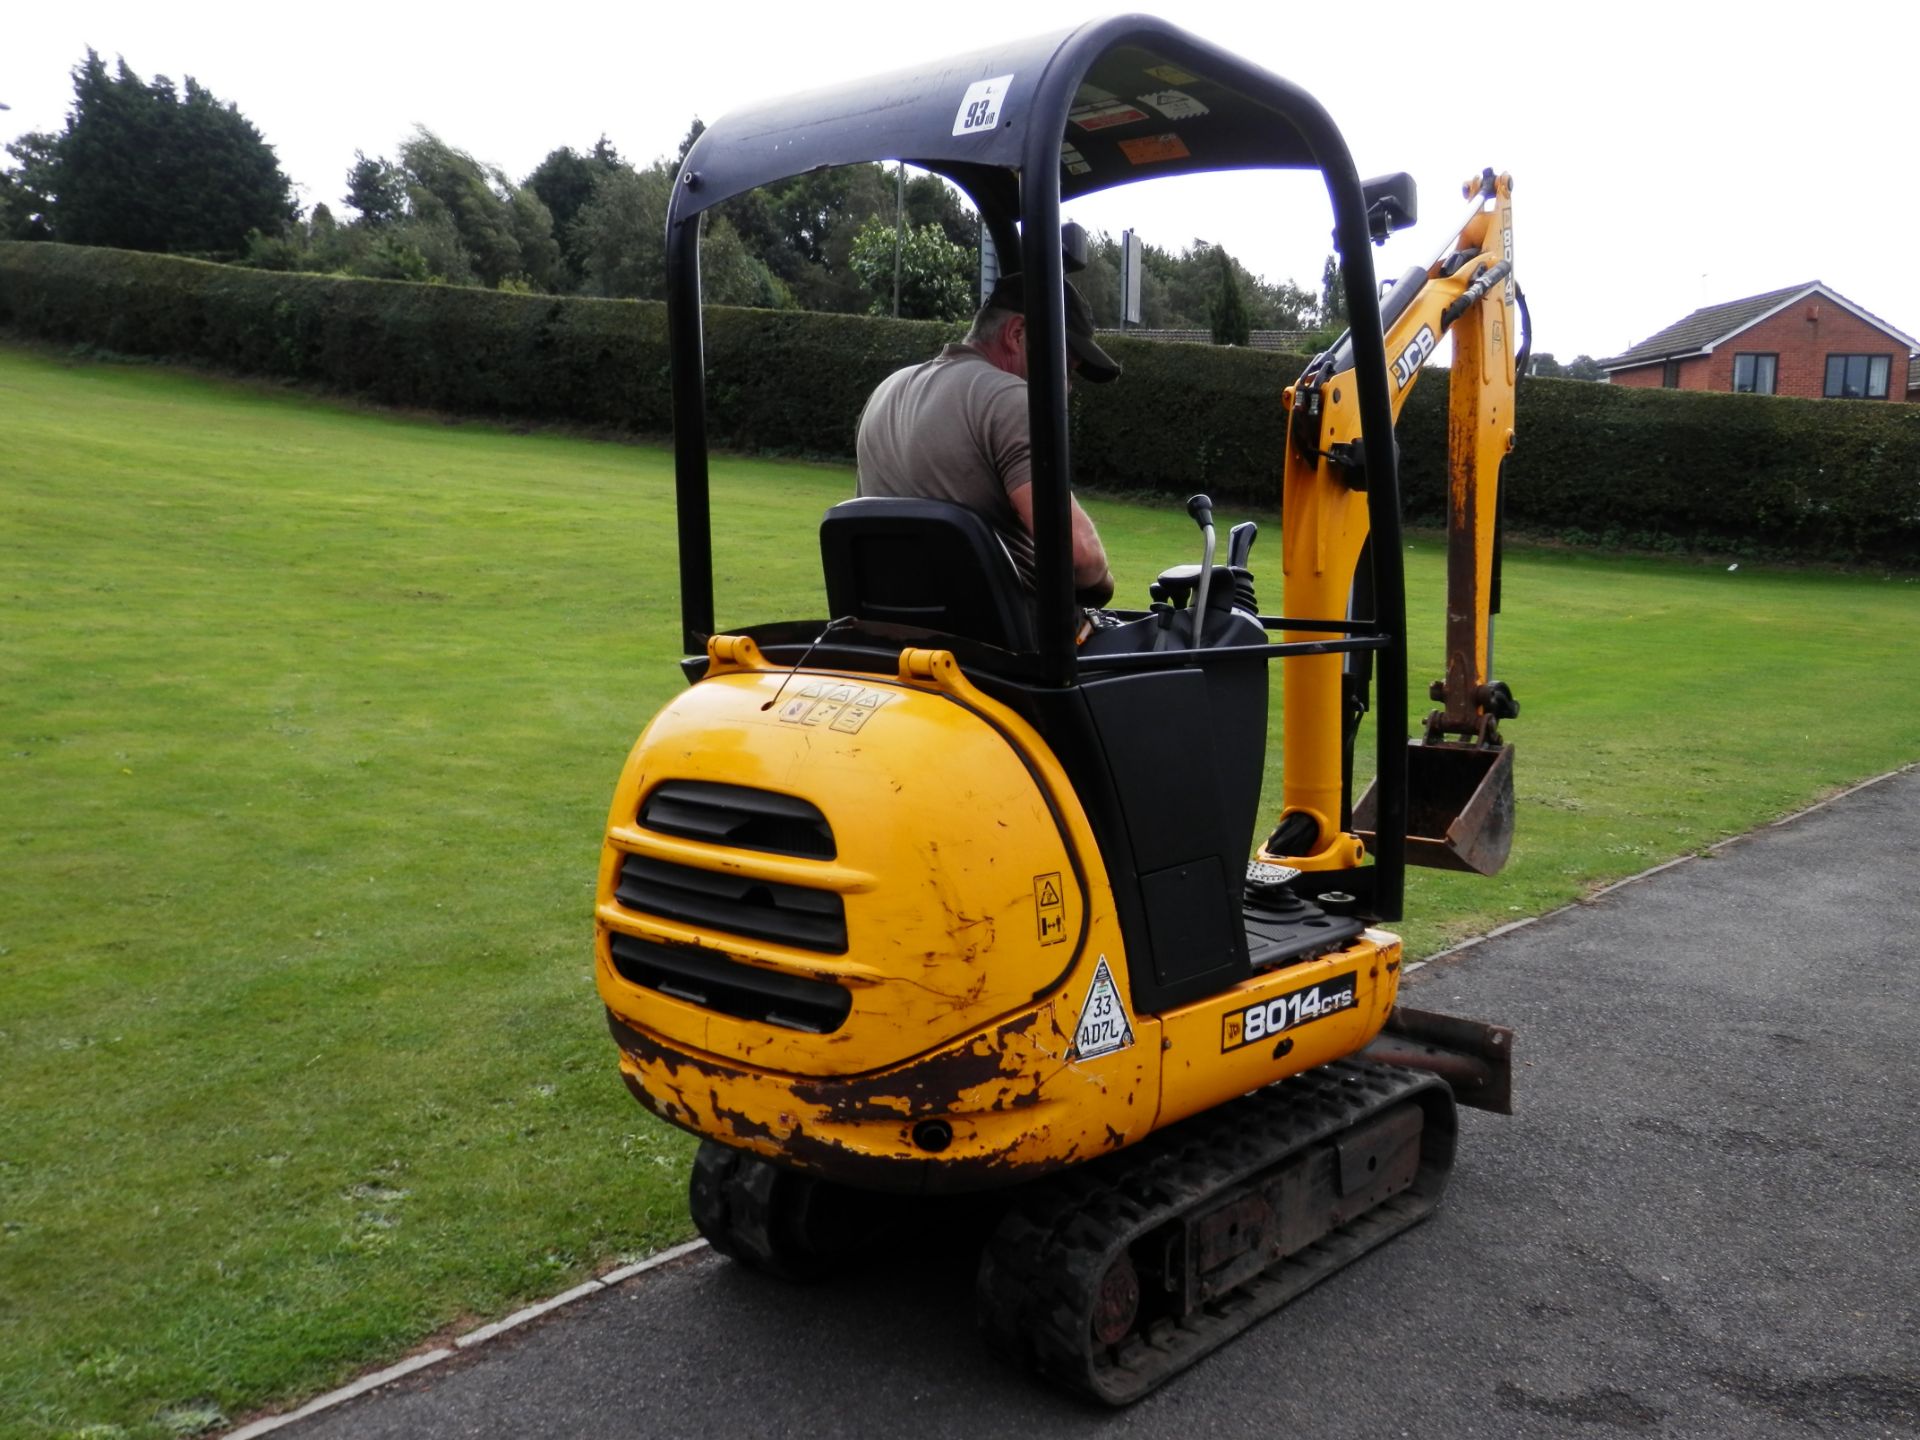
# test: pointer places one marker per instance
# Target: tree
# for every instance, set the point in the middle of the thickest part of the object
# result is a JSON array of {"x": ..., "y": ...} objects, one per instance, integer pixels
[
  {"x": 565, "y": 181},
  {"x": 931, "y": 201},
  {"x": 729, "y": 275},
  {"x": 1229, "y": 310},
  {"x": 377, "y": 189},
  {"x": 144, "y": 167},
  {"x": 1544, "y": 364},
  {"x": 620, "y": 234},
  {"x": 26, "y": 192},
  {"x": 936, "y": 275},
  {"x": 503, "y": 229},
  {"x": 1333, "y": 296},
  {"x": 1584, "y": 367}
]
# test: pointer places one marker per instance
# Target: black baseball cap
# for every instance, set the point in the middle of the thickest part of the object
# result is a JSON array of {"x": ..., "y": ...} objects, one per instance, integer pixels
[{"x": 1096, "y": 366}]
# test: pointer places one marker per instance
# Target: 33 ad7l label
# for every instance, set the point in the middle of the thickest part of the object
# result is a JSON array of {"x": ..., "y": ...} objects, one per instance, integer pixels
[{"x": 1254, "y": 1023}]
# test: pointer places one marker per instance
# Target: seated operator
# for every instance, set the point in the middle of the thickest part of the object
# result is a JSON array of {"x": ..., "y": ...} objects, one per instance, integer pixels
[{"x": 955, "y": 429}]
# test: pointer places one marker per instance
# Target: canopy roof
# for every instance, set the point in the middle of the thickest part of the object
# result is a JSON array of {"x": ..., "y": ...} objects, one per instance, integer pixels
[{"x": 1130, "y": 98}]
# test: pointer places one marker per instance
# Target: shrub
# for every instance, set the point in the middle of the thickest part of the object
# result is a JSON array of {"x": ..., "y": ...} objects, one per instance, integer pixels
[{"x": 1659, "y": 469}]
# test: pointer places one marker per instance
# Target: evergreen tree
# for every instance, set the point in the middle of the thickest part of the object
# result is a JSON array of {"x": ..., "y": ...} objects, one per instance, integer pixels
[
  {"x": 1229, "y": 310},
  {"x": 146, "y": 168},
  {"x": 1333, "y": 296}
]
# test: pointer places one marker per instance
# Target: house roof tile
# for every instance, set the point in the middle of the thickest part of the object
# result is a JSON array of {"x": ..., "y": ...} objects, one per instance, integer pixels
[{"x": 1711, "y": 324}]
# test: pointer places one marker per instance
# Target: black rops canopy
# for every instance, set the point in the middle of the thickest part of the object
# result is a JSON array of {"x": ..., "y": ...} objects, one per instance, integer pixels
[{"x": 1108, "y": 103}]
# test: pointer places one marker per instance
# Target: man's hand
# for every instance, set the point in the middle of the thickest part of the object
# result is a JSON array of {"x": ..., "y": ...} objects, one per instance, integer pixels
[{"x": 1095, "y": 596}]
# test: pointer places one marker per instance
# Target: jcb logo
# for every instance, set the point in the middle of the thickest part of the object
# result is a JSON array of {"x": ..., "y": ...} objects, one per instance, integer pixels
[{"x": 1413, "y": 357}]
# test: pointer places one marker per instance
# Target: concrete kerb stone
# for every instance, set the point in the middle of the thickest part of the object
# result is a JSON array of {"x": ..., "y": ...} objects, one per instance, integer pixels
[{"x": 484, "y": 1333}]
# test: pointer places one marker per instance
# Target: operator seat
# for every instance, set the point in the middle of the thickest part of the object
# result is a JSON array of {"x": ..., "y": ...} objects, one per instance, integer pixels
[{"x": 926, "y": 563}]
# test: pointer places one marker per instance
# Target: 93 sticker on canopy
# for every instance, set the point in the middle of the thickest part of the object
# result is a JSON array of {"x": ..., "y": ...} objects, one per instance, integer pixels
[
  {"x": 1251, "y": 1024},
  {"x": 979, "y": 108}
]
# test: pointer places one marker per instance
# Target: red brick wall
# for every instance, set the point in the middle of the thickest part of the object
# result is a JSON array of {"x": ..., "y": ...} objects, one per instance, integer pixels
[
  {"x": 1695, "y": 374},
  {"x": 1802, "y": 335}
]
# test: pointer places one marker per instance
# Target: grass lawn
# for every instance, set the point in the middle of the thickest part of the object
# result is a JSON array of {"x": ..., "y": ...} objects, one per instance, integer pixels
[{"x": 308, "y": 720}]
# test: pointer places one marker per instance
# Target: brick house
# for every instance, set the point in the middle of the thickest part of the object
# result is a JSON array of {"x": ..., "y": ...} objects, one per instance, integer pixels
[{"x": 1806, "y": 340}]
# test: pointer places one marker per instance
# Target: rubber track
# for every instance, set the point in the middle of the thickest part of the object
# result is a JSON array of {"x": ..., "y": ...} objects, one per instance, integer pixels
[
  {"x": 753, "y": 1212},
  {"x": 1042, "y": 1267}
]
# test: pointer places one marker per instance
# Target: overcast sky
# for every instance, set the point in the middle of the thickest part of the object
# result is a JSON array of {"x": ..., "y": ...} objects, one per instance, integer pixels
[{"x": 1664, "y": 156}]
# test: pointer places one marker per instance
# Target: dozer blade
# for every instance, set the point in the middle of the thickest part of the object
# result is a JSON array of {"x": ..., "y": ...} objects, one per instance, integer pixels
[
  {"x": 1474, "y": 1058},
  {"x": 1459, "y": 806}
]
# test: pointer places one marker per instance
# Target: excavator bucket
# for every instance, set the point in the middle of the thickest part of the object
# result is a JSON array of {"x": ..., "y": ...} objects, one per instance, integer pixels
[{"x": 1459, "y": 806}]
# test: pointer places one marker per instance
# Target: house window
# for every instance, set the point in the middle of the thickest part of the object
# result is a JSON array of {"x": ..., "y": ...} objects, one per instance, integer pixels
[
  {"x": 1858, "y": 377},
  {"x": 1670, "y": 375},
  {"x": 1753, "y": 374}
]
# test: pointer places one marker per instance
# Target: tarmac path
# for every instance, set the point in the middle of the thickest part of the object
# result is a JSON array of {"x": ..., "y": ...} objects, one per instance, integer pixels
[{"x": 1702, "y": 1221}]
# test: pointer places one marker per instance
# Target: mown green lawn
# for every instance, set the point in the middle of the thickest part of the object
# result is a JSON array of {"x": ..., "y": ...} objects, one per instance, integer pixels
[{"x": 308, "y": 720}]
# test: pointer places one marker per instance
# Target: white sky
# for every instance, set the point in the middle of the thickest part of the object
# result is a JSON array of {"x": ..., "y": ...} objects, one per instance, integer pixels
[{"x": 1664, "y": 156}]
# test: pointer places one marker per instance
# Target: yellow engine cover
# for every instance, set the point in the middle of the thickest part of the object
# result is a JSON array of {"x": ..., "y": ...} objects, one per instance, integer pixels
[
  {"x": 928, "y": 988},
  {"x": 963, "y": 867}
]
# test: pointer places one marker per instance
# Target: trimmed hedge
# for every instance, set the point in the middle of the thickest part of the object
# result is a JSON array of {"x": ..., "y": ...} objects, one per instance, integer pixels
[{"x": 1814, "y": 479}]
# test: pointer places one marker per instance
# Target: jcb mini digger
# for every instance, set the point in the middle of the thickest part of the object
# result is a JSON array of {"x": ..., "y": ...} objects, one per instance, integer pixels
[{"x": 922, "y": 896}]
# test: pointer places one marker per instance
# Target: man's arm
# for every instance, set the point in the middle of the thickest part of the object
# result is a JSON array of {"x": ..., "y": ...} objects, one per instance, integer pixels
[{"x": 1092, "y": 579}]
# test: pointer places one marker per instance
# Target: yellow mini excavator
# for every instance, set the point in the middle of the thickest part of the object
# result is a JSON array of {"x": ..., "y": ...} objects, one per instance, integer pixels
[{"x": 923, "y": 896}]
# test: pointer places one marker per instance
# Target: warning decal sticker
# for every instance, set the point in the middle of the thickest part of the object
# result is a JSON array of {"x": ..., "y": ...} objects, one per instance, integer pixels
[
  {"x": 1104, "y": 1027},
  {"x": 1174, "y": 104},
  {"x": 1105, "y": 116},
  {"x": 1172, "y": 74},
  {"x": 1072, "y": 161},
  {"x": 839, "y": 707},
  {"x": 1051, "y": 905},
  {"x": 1149, "y": 149}
]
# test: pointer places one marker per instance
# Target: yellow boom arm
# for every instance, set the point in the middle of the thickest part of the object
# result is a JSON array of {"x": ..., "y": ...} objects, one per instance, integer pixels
[{"x": 1468, "y": 292}]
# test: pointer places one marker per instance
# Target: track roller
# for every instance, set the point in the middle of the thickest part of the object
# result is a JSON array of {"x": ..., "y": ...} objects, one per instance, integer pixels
[{"x": 1115, "y": 1277}]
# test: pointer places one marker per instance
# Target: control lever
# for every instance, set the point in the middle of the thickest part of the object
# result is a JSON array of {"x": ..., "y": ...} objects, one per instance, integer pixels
[
  {"x": 1240, "y": 543},
  {"x": 1200, "y": 507}
]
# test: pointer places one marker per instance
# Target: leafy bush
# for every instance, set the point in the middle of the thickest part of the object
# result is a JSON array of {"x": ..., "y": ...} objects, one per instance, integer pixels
[{"x": 1651, "y": 469}]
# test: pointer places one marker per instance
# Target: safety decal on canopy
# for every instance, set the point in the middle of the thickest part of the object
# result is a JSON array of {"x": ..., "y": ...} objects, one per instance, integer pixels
[
  {"x": 1151, "y": 149},
  {"x": 1105, "y": 114},
  {"x": 1104, "y": 1027},
  {"x": 1172, "y": 74},
  {"x": 1174, "y": 104},
  {"x": 1072, "y": 161},
  {"x": 979, "y": 108}
]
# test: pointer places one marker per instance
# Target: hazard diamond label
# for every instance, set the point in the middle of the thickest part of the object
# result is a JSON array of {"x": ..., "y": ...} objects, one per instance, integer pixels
[{"x": 1104, "y": 1027}]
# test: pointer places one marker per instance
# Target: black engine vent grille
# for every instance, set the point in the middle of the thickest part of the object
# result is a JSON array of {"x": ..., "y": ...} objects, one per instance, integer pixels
[
  {"x": 818, "y": 1007},
  {"x": 762, "y": 909},
  {"x": 735, "y": 815}
]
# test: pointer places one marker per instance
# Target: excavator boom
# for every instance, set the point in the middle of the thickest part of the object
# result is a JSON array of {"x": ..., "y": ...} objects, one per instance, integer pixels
[{"x": 1460, "y": 790}]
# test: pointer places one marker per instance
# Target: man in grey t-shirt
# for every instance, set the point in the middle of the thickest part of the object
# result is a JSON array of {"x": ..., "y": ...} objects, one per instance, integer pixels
[{"x": 955, "y": 428}]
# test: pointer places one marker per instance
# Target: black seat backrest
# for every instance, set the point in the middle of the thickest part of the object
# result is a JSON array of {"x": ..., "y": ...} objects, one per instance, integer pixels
[{"x": 927, "y": 563}]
